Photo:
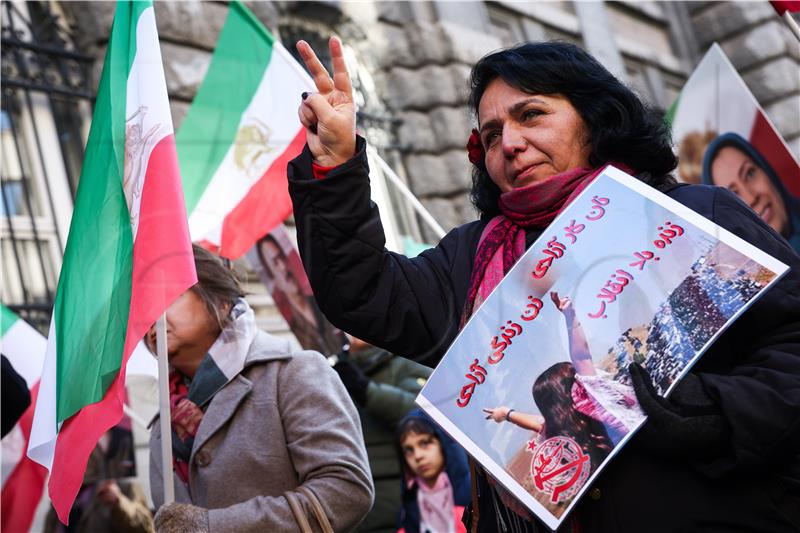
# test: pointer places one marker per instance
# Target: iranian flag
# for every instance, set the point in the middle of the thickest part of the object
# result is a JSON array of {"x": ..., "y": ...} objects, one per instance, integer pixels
[
  {"x": 128, "y": 255},
  {"x": 239, "y": 135},
  {"x": 23, "y": 479}
]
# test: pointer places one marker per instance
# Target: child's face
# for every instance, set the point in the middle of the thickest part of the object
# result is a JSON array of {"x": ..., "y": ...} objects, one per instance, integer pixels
[{"x": 423, "y": 455}]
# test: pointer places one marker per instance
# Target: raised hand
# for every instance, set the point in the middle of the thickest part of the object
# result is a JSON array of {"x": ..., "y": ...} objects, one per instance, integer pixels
[
  {"x": 328, "y": 115},
  {"x": 562, "y": 304}
]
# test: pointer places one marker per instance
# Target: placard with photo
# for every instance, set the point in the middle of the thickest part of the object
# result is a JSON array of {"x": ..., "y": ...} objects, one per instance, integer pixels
[{"x": 536, "y": 385}]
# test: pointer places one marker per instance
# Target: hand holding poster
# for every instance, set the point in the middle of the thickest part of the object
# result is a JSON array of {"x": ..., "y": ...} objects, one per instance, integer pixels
[{"x": 536, "y": 386}]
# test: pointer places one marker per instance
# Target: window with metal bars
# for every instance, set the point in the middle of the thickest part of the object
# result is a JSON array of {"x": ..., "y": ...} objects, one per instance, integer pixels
[{"x": 46, "y": 108}]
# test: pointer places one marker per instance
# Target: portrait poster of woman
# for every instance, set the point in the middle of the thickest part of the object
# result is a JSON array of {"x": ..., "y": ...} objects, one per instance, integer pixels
[
  {"x": 536, "y": 387},
  {"x": 277, "y": 262},
  {"x": 723, "y": 137}
]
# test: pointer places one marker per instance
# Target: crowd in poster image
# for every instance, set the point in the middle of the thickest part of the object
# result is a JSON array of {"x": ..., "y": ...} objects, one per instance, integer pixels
[{"x": 701, "y": 304}]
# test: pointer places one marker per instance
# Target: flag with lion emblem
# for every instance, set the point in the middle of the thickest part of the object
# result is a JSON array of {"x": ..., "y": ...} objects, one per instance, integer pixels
[{"x": 239, "y": 135}]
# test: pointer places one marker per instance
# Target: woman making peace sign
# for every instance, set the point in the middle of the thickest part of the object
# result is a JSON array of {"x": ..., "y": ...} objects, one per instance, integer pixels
[{"x": 721, "y": 454}]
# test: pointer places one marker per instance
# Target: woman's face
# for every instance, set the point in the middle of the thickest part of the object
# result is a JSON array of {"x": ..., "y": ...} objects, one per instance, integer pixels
[
  {"x": 735, "y": 170},
  {"x": 190, "y": 328},
  {"x": 529, "y": 137}
]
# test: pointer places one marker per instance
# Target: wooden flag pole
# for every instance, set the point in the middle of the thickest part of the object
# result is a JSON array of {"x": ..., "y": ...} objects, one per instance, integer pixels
[{"x": 163, "y": 408}]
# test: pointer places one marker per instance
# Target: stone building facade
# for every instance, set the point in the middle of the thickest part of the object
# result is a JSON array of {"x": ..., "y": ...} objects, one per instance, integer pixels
[
  {"x": 418, "y": 56},
  {"x": 410, "y": 61},
  {"x": 764, "y": 52}
]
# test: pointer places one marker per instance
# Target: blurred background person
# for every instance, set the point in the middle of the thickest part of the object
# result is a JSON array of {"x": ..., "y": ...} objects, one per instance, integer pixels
[
  {"x": 110, "y": 500},
  {"x": 436, "y": 483},
  {"x": 732, "y": 162},
  {"x": 383, "y": 387}
]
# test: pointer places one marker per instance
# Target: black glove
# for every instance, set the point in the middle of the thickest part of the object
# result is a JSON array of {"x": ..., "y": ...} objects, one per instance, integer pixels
[
  {"x": 354, "y": 379},
  {"x": 687, "y": 425}
]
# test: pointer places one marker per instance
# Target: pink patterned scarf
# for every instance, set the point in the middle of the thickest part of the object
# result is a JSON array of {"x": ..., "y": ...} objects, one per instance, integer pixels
[
  {"x": 186, "y": 417},
  {"x": 436, "y": 504},
  {"x": 502, "y": 242}
]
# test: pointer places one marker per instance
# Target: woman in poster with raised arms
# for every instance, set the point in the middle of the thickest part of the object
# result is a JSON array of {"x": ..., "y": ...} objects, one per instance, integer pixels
[{"x": 576, "y": 399}]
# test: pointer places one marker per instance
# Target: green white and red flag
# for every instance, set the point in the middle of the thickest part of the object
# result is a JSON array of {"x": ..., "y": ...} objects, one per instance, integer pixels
[
  {"x": 128, "y": 255},
  {"x": 23, "y": 479},
  {"x": 239, "y": 135}
]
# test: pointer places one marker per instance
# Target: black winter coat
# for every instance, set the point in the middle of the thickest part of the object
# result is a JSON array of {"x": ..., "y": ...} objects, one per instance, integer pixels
[{"x": 413, "y": 306}]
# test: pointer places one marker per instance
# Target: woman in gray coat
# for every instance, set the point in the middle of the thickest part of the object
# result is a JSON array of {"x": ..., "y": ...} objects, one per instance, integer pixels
[{"x": 253, "y": 423}]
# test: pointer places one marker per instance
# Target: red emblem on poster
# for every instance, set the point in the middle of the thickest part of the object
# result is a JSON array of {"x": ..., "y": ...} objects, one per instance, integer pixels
[{"x": 559, "y": 467}]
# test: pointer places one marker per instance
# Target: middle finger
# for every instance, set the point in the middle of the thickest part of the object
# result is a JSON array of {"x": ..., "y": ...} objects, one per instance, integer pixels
[{"x": 341, "y": 78}]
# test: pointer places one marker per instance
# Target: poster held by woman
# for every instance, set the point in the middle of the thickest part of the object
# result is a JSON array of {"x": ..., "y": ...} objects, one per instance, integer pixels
[
  {"x": 537, "y": 386},
  {"x": 277, "y": 262}
]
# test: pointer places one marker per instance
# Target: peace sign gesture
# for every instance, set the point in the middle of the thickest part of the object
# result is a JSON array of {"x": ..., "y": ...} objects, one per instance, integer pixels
[{"x": 328, "y": 115}]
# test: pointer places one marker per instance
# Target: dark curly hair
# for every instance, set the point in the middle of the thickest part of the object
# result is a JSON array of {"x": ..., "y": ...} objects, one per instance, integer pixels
[
  {"x": 552, "y": 393},
  {"x": 621, "y": 128}
]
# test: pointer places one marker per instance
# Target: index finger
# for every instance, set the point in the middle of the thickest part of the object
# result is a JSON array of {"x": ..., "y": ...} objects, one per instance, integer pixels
[
  {"x": 341, "y": 77},
  {"x": 315, "y": 67}
]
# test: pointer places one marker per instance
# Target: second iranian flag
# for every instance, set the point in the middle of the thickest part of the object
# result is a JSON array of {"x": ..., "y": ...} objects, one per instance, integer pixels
[
  {"x": 239, "y": 135},
  {"x": 127, "y": 258}
]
